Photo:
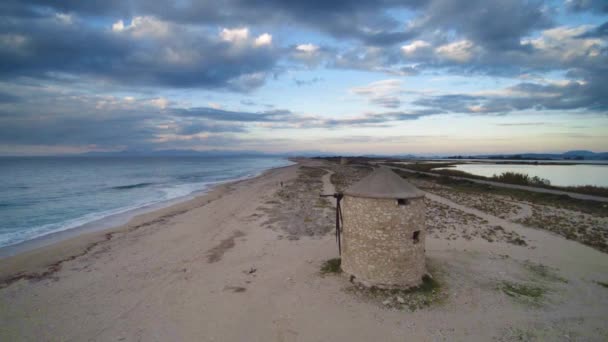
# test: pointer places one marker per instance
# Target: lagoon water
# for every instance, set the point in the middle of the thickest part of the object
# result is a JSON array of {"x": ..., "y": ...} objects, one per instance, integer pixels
[
  {"x": 40, "y": 196},
  {"x": 559, "y": 175}
]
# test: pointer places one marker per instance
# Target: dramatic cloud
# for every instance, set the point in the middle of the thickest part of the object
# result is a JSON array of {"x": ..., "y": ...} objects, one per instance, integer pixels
[
  {"x": 493, "y": 25},
  {"x": 104, "y": 122},
  {"x": 377, "y": 119},
  {"x": 587, "y": 5},
  {"x": 224, "y": 115},
  {"x": 366, "y": 21},
  {"x": 142, "y": 52},
  {"x": 151, "y": 73},
  {"x": 564, "y": 95}
]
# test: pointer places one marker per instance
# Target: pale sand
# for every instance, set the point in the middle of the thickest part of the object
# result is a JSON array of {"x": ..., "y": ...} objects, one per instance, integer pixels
[{"x": 210, "y": 270}]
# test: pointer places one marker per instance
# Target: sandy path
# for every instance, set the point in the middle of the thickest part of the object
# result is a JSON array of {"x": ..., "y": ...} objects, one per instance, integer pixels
[
  {"x": 328, "y": 187},
  {"x": 515, "y": 186},
  {"x": 525, "y": 211}
]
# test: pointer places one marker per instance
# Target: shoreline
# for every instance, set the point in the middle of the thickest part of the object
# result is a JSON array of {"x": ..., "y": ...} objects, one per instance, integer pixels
[
  {"x": 115, "y": 220},
  {"x": 34, "y": 256}
]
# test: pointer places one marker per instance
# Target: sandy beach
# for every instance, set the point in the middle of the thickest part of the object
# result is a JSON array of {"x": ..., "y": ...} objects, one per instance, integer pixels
[{"x": 243, "y": 263}]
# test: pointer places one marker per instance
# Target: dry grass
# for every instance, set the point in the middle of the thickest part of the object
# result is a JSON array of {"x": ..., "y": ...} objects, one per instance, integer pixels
[
  {"x": 444, "y": 222},
  {"x": 573, "y": 225},
  {"x": 297, "y": 209},
  {"x": 582, "y": 221}
]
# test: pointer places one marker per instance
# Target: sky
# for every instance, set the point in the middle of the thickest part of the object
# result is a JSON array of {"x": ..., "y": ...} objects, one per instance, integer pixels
[{"x": 427, "y": 77}]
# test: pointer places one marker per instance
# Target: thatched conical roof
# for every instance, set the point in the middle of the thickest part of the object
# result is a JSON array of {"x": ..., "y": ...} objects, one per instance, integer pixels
[{"x": 383, "y": 183}]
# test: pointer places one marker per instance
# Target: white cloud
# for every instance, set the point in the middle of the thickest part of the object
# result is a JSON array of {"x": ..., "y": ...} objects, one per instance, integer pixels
[
  {"x": 263, "y": 39},
  {"x": 415, "y": 46},
  {"x": 460, "y": 51},
  {"x": 64, "y": 18},
  {"x": 383, "y": 93},
  {"x": 118, "y": 26},
  {"x": 234, "y": 35},
  {"x": 160, "y": 102},
  {"x": 565, "y": 44},
  {"x": 310, "y": 54},
  {"x": 214, "y": 105},
  {"x": 307, "y": 48},
  {"x": 143, "y": 26}
]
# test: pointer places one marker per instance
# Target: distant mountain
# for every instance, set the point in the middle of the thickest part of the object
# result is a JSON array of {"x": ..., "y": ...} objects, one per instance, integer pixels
[{"x": 570, "y": 155}]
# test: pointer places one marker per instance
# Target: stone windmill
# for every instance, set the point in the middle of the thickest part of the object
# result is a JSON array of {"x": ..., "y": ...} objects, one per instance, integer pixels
[{"x": 383, "y": 231}]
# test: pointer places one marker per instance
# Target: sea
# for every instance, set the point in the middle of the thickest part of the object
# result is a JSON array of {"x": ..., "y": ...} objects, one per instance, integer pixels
[{"x": 41, "y": 196}]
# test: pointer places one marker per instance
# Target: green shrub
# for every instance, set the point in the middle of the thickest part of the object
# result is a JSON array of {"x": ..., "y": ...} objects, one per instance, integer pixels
[
  {"x": 331, "y": 266},
  {"x": 520, "y": 179}
]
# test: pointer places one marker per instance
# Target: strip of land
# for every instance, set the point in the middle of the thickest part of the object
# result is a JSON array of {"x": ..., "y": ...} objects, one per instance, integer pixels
[
  {"x": 513, "y": 186},
  {"x": 244, "y": 263}
]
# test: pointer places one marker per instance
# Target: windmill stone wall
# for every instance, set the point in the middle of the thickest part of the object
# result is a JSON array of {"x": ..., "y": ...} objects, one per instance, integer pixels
[{"x": 383, "y": 234}]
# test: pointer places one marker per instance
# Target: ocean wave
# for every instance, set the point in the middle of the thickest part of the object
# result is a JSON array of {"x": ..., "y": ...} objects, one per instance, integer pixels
[
  {"x": 161, "y": 193},
  {"x": 167, "y": 194},
  {"x": 131, "y": 186}
]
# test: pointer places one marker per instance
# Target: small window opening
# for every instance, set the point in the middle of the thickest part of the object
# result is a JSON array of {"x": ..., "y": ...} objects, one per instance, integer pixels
[
  {"x": 402, "y": 201},
  {"x": 416, "y": 236}
]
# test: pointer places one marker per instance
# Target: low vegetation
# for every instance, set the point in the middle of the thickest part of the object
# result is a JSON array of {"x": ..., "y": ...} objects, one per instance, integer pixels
[
  {"x": 575, "y": 219},
  {"x": 559, "y": 201},
  {"x": 525, "y": 293},
  {"x": 421, "y": 166},
  {"x": 332, "y": 266},
  {"x": 588, "y": 189},
  {"x": 296, "y": 207},
  {"x": 344, "y": 176},
  {"x": 520, "y": 179},
  {"x": 603, "y": 284},
  {"x": 428, "y": 293},
  {"x": 544, "y": 272},
  {"x": 445, "y": 222},
  {"x": 505, "y": 177}
]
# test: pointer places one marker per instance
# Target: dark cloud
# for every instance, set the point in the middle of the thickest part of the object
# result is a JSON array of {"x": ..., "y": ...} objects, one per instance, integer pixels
[
  {"x": 199, "y": 59},
  {"x": 386, "y": 101},
  {"x": 521, "y": 124},
  {"x": 192, "y": 128},
  {"x": 498, "y": 24},
  {"x": 101, "y": 121},
  {"x": 571, "y": 95},
  {"x": 597, "y": 32},
  {"x": 375, "y": 119},
  {"x": 457, "y": 103},
  {"x": 365, "y": 21},
  {"x": 143, "y": 52},
  {"x": 85, "y": 130},
  {"x": 588, "y": 5},
  {"x": 163, "y": 44},
  {"x": 8, "y": 98},
  {"x": 226, "y": 115}
]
